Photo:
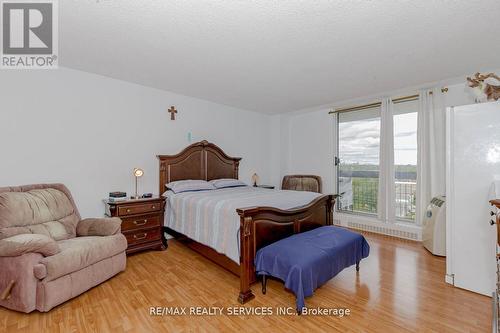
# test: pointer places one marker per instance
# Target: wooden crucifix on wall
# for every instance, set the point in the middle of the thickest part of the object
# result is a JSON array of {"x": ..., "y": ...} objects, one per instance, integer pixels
[{"x": 172, "y": 111}]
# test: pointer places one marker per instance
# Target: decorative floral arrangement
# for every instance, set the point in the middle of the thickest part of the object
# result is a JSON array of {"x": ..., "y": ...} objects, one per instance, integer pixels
[{"x": 485, "y": 87}]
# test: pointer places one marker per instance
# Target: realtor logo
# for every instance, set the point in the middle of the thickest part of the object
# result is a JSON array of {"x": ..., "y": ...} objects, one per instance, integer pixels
[{"x": 29, "y": 34}]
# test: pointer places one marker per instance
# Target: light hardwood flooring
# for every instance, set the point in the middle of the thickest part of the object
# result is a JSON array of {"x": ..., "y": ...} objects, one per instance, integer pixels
[{"x": 400, "y": 288}]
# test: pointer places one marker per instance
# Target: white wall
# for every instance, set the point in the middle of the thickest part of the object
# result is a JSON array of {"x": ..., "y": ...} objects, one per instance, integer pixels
[
  {"x": 89, "y": 132},
  {"x": 311, "y": 142},
  {"x": 280, "y": 148}
]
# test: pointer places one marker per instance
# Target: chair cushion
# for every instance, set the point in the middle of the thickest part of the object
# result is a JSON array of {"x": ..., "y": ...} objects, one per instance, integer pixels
[
  {"x": 80, "y": 252},
  {"x": 99, "y": 226},
  {"x": 46, "y": 211},
  {"x": 26, "y": 243}
]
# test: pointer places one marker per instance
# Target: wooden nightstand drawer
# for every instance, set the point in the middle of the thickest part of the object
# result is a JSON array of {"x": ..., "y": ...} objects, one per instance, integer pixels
[
  {"x": 138, "y": 209},
  {"x": 141, "y": 222},
  {"x": 143, "y": 236}
]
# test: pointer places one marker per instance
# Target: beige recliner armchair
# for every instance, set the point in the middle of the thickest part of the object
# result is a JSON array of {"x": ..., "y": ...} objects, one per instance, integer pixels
[{"x": 48, "y": 254}]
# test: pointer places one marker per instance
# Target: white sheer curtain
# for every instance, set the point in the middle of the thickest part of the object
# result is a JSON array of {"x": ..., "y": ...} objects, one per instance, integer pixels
[
  {"x": 386, "y": 199},
  {"x": 431, "y": 158}
]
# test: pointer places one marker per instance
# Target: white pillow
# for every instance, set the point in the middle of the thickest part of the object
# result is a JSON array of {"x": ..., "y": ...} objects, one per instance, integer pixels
[
  {"x": 226, "y": 182},
  {"x": 189, "y": 185}
]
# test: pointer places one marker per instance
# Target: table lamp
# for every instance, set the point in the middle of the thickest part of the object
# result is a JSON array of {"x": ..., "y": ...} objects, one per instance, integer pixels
[
  {"x": 137, "y": 174},
  {"x": 255, "y": 179}
]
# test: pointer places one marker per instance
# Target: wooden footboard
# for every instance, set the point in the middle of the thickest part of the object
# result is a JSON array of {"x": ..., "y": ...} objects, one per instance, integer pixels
[{"x": 261, "y": 226}]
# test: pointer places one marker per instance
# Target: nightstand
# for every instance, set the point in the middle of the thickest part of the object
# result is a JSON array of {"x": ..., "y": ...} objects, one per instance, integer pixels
[
  {"x": 269, "y": 187},
  {"x": 141, "y": 222}
]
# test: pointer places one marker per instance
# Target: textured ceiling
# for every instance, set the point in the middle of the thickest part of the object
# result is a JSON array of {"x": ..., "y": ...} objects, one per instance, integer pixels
[{"x": 278, "y": 56}]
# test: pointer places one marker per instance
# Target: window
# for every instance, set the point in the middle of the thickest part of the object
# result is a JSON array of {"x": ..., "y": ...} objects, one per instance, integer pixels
[
  {"x": 358, "y": 163},
  {"x": 405, "y": 159}
]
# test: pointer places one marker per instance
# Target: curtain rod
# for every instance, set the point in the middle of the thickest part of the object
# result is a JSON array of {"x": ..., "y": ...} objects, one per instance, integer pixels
[
  {"x": 377, "y": 104},
  {"x": 407, "y": 98},
  {"x": 357, "y": 108}
]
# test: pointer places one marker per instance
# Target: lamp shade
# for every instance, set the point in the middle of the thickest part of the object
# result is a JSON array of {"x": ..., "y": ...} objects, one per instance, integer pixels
[{"x": 138, "y": 172}]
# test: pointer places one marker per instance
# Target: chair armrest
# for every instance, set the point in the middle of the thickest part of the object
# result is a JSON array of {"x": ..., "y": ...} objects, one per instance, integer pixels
[
  {"x": 28, "y": 243},
  {"x": 99, "y": 227}
]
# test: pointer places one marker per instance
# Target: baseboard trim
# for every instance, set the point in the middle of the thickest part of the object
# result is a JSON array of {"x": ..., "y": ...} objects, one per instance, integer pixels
[{"x": 373, "y": 225}]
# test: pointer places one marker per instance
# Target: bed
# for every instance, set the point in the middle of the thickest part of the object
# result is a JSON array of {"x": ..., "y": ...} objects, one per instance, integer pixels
[{"x": 228, "y": 226}]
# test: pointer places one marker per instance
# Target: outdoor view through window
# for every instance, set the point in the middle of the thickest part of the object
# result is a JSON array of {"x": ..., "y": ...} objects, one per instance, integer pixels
[{"x": 359, "y": 151}]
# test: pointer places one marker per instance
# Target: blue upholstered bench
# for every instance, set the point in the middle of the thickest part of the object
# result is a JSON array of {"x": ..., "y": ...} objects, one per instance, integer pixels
[{"x": 307, "y": 260}]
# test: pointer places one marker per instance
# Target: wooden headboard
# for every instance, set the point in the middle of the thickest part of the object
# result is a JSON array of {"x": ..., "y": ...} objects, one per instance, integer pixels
[{"x": 201, "y": 160}]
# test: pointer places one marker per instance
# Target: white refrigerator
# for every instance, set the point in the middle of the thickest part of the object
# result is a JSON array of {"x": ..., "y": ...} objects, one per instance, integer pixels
[{"x": 472, "y": 166}]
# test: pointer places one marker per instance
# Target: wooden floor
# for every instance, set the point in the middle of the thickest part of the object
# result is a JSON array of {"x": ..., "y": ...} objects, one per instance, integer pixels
[{"x": 400, "y": 288}]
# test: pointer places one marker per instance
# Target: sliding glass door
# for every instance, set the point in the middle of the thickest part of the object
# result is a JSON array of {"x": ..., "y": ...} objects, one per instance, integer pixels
[
  {"x": 358, "y": 160},
  {"x": 405, "y": 159}
]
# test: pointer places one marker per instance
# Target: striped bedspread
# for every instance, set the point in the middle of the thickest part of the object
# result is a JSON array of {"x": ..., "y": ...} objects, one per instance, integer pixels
[{"x": 210, "y": 218}]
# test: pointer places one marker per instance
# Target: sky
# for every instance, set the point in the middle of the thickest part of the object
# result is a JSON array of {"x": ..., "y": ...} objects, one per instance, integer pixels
[{"x": 359, "y": 141}]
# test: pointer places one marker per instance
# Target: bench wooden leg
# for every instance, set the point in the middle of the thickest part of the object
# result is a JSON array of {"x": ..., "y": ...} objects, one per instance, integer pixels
[
  {"x": 264, "y": 284},
  {"x": 357, "y": 266}
]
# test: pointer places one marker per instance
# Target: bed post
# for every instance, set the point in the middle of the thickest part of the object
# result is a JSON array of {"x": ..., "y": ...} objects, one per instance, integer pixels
[
  {"x": 329, "y": 209},
  {"x": 246, "y": 260}
]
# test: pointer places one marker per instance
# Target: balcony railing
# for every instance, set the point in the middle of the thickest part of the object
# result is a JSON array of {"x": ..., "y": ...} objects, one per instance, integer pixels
[
  {"x": 406, "y": 199},
  {"x": 361, "y": 194}
]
